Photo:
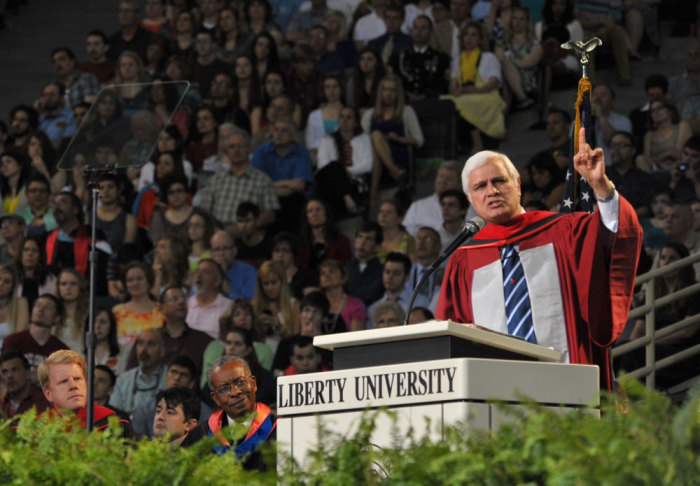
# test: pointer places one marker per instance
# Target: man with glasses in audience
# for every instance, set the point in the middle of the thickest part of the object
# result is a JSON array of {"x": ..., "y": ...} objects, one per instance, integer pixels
[
  {"x": 240, "y": 275},
  {"x": 233, "y": 389},
  {"x": 632, "y": 182}
]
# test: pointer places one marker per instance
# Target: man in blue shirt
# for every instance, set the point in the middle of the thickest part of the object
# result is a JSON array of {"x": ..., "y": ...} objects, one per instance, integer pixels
[
  {"x": 56, "y": 119},
  {"x": 241, "y": 276}
]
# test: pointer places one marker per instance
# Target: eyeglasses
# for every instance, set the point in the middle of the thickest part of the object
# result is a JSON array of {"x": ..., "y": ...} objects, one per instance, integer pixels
[{"x": 225, "y": 390}]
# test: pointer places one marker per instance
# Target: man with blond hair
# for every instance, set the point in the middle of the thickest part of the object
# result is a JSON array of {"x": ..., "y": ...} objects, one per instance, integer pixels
[{"x": 62, "y": 379}]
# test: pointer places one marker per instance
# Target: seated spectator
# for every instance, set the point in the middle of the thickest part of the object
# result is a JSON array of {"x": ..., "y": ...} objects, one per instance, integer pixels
[
  {"x": 208, "y": 303},
  {"x": 391, "y": 42},
  {"x": 170, "y": 265},
  {"x": 130, "y": 79},
  {"x": 424, "y": 71},
  {"x": 41, "y": 154},
  {"x": 682, "y": 86},
  {"x": 557, "y": 126},
  {"x": 36, "y": 343},
  {"x": 327, "y": 62},
  {"x": 395, "y": 275},
  {"x": 216, "y": 163},
  {"x": 246, "y": 85},
  {"x": 172, "y": 221},
  {"x": 106, "y": 125},
  {"x": 181, "y": 374},
  {"x": 38, "y": 215},
  {"x": 371, "y": 24},
  {"x": 454, "y": 205},
  {"x": 276, "y": 310},
  {"x": 475, "y": 78},
  {"x": 240, "y": 276},
  {"x": 268, "y": 110},
  {"x": 519, "y": 55},
  {"x": 663, "y": 143},
  {"x": 233, "y": 389},
  {"x": 632, "y": 183},
  {"x": 655, "y": 88},
  {"x": 231, "y": 42},
  {"x": 304, "y": 357},
  {"x": 324, "y": 120},
  {"x": 264, "y": 54},
  {"x": 72, "y": 290},
  {"x": 156, "y": 54},
  {"x": 103, "y": 384},
  {"x": 678, "y": 226},
  {"x": 606, "y": 120},
  {"x": 305, "y": 81},
  {"x": 653, "y": 226},
  {"x": 558, "y": 26},
  {"x": 394, "y": 235},
  {"x": 239, "y": 315},
  {"x": 388, "y": 314},
  {"x": 55, "y": 118},
  {"x": 222, "y": 100},
  {"x": 170, "y": 140},
  {"x": 79, "y": 86},
  {"x": 62, "y": 379},
  {"x": 33, "y": 275},
  {"x": 284, "y": 252},
  {"x": 108, "y": 353},
  {"x": 393, "y": 127},
  {"x": 118, "y": 226},
  {"x": 206, "y": 64},
  {"x": 362, "y": 86},
  {"x": 200, "y": 229},
  {"x": 155, "y": 20},
  {"x": 12, "y": 231},
  {"x": 148, "y": 200},
  {"x": 141, "y": 384},
  {"x": 183, "y": 43},
  {"x": 546, "y": 182},
  {"x": 685, "y": 174},
  {"x": 254, "y": 244},
  {"x": 428, "y": 247},
  {"x": 19, "y": 393},
  {"x": 203, "y": 144},
  {"x": 365, "y": 269},
  {"x": 604, "y": 23},
  {"x": 337, "y": 41},
  {"x": 258, "y": 18},
  {"x": 144, "y": 134},
  {"x": 15, "y": 169},
  {"x": 141, "y": 311},
  {"x": 333, "y": 278},
  {"x": 319, "y": 237},
  {"x": 97, "y": 64},
  {"x": 302, "y": 21},
  {"x": 420, "y": 315},
  {"x": 23, "y": 119},
  {"x": 130, "y": 36},
  {"x": 344, "y": 162},
  {"x": 314, "y": 320},
  {"x": 164, "y": 103},
  {"x": 176, "y": 416},
  {"x": 239, "y": 342}
]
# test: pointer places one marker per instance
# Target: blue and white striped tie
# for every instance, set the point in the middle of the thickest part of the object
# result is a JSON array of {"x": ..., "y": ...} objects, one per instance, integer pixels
[{"x": 518, "y": 310}]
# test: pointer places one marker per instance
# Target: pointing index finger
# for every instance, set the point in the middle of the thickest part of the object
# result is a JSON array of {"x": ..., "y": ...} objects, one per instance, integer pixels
[{"x": 582, "y": 141}]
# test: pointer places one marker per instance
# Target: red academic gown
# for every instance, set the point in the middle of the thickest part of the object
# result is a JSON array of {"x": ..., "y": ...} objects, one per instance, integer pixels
[{"x": 577, "y": 271}]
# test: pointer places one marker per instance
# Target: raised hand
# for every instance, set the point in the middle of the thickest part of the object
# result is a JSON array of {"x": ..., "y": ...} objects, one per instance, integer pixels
[{"x": 590, "y": 163}]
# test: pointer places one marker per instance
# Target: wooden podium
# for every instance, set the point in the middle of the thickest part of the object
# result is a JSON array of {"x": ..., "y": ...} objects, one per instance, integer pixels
[{"x": 438, "y": 370}]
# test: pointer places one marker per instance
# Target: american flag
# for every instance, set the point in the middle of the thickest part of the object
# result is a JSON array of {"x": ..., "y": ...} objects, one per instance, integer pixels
[{"x": 578, "y": 195}]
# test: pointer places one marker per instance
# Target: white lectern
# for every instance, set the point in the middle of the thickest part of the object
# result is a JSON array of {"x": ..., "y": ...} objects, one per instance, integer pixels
[{"x": 439, "y": 370}]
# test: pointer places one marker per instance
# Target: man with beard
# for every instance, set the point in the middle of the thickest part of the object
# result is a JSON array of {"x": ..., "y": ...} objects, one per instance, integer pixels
[
  {"x": 96, "y": 46},
  {"x": 37, "y": 342},
  {"x": 208, "y": 303},
  {"x": 428, "y": 248},
  {"x": 23, "y": 119},
  {"x": 56, "y": 120},
  {"x": 142, "y": 383},
  {"x": 20, "y": 393},
  {"x": 68, "y": 245},
  {"x": 80, "y": 87},
  {"x": 38, "y": 216},
  {"x": 62, "y": 379},
  {"x": 233, "y": 389}
]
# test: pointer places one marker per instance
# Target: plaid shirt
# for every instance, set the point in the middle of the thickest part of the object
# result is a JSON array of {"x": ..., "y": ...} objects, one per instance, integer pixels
[
  {"x": 84, "y": 84},
  {"x": 225, "y": 191}
]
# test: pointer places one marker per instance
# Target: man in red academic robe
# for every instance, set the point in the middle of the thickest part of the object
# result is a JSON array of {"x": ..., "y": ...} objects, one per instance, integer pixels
[{"x": 579, "y": 268}]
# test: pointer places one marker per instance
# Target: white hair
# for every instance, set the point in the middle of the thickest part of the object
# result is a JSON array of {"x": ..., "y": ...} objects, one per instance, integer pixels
[{"x": 479, "y": 159}]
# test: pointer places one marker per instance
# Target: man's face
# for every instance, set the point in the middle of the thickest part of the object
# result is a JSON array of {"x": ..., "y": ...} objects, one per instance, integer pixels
[
  {"x": 556, "y": 127},
  {"x": 234, "y": 389},
  {"x": 67, "y": 387},
  {"x": 37, "y": 194},
  {"x": 420, "y": 32},
  {"x": 102, "y": 386},
  {"x": 691, "y": 157},
  {"x": 238, "y": 149},
  {"x": 247, "y": 225},
  {"x": 51, "y": 98},
  {"x": 282, "y": 135},
  {"x": 44, "y": 313},
  {"x": 655, "y": 93},
  {"x": 221, "y": 87},
  {"x": 317, "y": 40},
  {"x": 63, "y": 210},
  {"x": 392, "y": 20},
  {"x": 128, "y": 15},
  {"x": 175, "y": 305},
  {"x": 204, "y": 44},
  {"x": 678, "y": 219},
  {"x": 459, "y": 10},
  {"x": 95, "y": 48},
  {"x": 149, "y": 350},
  {"x": 171, "y": 421},
  {"x": 62, "y": 64},
  {"x": 365, "y": 245},
  {"x": 19, "y": 126},
  {"x": 206, "y": 278},
  {"x": 178, "y": 376},
  {"x": 282, "y": 253},
  {"x": 15, "y": 377},
  {"x": 305, "y": 359},
  {"x": 394, "y": 276},
  {"x": 603, "y": 98},
  {"x": 451, "y": 210},
  {"x": 621, "y": 150},
  {"x": 223, "y": 250},
  {"x": 446, "y": 180},
  {"x": 11, "y": 229},
  {"x": 494, "y": 193}
]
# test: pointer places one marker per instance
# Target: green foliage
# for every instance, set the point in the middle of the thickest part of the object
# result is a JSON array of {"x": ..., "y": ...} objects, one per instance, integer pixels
[{"x": 640, "y": 440}]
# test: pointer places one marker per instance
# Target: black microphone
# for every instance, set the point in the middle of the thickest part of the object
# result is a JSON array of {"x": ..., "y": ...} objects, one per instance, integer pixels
[{"x": 471, "y": 227}]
